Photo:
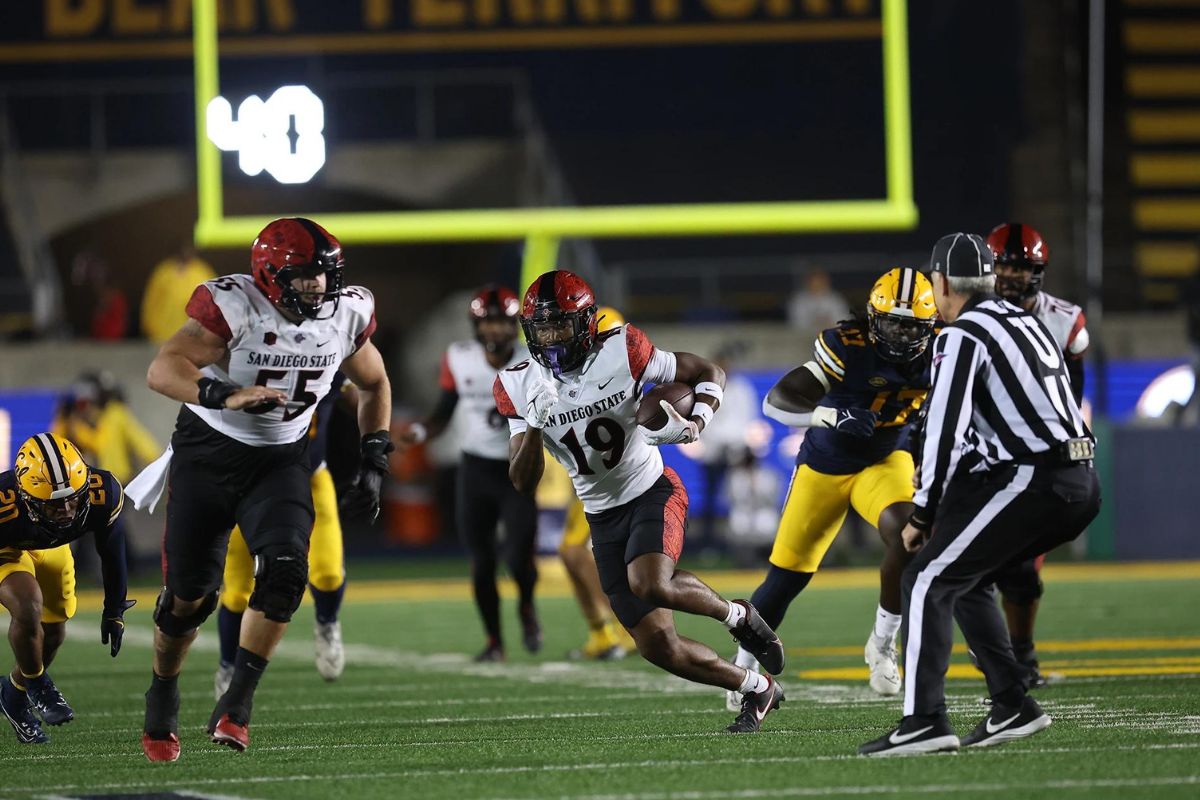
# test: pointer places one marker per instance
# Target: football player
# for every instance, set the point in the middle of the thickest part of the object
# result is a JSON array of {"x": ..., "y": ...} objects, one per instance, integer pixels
[
  {"x": 855, "y": 397},
  {"x": 326, "y": 565},
  {"x": 578, "y": 397},
  {"x": 239, "y": 454},
  {"x": 485, "y": 497},
  {"x": 607, "y": 640},
  {"x": 48, "y": 500},
  {"x": 1021, "y": 257}
]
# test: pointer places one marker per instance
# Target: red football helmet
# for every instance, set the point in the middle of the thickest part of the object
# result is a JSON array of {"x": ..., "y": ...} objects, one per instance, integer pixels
[
  {"x": 553, "y": 301},
  {"x": 295, "y": 247},
  {"x": 495, "y": 302},
  {"x": 1020, "y": 247}
]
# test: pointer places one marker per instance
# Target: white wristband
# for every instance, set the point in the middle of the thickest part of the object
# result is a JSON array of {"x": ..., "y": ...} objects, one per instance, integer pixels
[
  {"x": 824, "y": 417},
  {"x": 419, "y": 432},
  {"x": 709, "y": 388},
  {"x": 704, "y": 412}
]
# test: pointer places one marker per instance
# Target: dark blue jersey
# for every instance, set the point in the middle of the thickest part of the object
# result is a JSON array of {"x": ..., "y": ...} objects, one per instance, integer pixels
[
  {"x": 106, "y": 499},
  {"x": 860, "y": 378},
  {"x": 318, "y": 429}
]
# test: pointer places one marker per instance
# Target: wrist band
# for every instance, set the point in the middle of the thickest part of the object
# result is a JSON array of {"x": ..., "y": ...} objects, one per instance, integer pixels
[
  {"x": 711, "y": 389},
  {"x": 824, "y": 417},
  {"x": 213, "y": 393},
  {"x": 703, "y": 411}
]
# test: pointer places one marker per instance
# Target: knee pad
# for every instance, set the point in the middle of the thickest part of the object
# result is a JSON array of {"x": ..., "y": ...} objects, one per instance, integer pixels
[
  {"x": 172, "y": 625},
  {"x": 777, "y": 592},
  {"x": 280, "y": 578},
  {"x": 1021, "y": 584}
]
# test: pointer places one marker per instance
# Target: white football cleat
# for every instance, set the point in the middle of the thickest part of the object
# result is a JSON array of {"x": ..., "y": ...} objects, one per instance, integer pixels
[
  {"x": 331, "y": 655},
  {"x": 222, "y": 679},
  {"x": 881, "y": 657},
  {"x": 733, "y": 700}
]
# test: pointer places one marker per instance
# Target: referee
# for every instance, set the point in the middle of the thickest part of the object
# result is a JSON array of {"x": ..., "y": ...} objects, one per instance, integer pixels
[{"x": 1005, "y": 474}]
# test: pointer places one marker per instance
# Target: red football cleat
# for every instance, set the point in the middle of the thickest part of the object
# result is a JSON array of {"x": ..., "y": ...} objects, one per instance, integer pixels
[
  {"x": 228, "y": 732},
  {"x": 161, "y": 749}
]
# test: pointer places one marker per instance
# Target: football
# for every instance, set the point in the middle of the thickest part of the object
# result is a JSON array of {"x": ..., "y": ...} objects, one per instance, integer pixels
[{"x": 651, "y": 415}]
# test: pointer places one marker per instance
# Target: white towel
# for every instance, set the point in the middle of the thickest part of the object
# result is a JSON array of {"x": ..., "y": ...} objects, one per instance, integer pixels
[{"x": 146, "y": 489}]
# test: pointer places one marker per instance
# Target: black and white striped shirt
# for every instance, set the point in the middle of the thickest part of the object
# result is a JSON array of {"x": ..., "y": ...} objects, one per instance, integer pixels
[{"x": 1000, "y": 393}]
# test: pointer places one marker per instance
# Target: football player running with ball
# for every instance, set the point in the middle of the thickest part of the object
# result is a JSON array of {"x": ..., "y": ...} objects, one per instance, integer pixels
[
  {"x": 856, "y": 397},
  {"x": 578, "y": 397},
  {"x": 239, "y": 454}
]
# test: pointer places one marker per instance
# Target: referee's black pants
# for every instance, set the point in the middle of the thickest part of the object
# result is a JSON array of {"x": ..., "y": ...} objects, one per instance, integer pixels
[{"x": 984, "y": 522}]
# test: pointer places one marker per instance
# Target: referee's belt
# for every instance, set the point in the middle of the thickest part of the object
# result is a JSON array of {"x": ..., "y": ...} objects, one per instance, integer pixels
[{"x": 1062, "y": 454}]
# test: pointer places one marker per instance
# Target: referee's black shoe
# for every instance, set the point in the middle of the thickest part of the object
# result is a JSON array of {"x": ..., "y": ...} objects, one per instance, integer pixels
[
  {"x": 756, "y": 636},
  {"x": 913, "y": 736},
  {"x": 1006, "y": 723}
]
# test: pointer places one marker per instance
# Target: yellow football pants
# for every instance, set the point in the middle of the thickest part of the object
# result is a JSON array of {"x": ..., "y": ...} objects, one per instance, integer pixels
[
  {"x": 54, "y": 570},
  {"x": 817, "y": 504},
  {"x": 326, "y": 567}
]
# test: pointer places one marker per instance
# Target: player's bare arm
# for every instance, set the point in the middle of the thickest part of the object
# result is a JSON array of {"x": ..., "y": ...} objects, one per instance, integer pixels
[
  {"x": 698, "y": 372},
  {"x": 175, "y": 371},
  {"x": 366, "y": 371},
  {"x": 526, "y": 460},
  {"x": 798, "y": 392}
]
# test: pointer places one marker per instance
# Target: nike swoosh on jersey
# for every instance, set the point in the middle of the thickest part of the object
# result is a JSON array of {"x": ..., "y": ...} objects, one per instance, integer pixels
[
  {"x": 1001, "y": 726},
  {"x": 897, "y": 738},
  {"x": 322, "y": 344},
  {"x": 606, "y": 383}
]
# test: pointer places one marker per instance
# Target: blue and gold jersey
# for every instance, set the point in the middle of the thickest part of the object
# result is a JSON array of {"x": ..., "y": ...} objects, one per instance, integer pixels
[
  {"x": 105, "y": 501},
  {"x": 318, "y": 429},
  {"x": 860, "y": 378}
]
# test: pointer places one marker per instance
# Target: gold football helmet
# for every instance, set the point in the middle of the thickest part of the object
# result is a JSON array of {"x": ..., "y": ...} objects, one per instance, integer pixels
[
  {"x": 901, "y": 313},
  {"x": 608, "y": 318},
  {"x": 52, "y": 481}
]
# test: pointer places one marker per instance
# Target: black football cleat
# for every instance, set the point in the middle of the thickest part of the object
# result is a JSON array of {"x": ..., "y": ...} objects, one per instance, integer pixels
[
  {"x": 1006, "y": 724},
  {"x": 756, "y": 636},
  {"x": 17, "y": 708},
  {"x": 493, "y": 651},
  {"x": 755, "y": 708},
  {"x": 160, "y": 733},
  {"x": 48, "y": 701},
  {"x": 913, "y": 736}
]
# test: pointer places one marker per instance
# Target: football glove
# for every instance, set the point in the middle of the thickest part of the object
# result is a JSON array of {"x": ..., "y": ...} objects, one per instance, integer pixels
[
  {"x": 112, "y": 625},
  {"x": 543, "y": 395},
  {"x": 678, "y": 430},
  {"x": 856, "y": 422},
  {"x": 362, "y": 499}
]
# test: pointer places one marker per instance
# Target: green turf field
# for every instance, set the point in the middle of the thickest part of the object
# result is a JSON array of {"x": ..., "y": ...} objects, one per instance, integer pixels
[{"x": 413, "y": 717}]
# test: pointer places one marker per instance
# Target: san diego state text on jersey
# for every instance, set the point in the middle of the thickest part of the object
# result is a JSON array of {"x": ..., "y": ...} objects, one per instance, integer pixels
[{"x": 859, "y": 378}]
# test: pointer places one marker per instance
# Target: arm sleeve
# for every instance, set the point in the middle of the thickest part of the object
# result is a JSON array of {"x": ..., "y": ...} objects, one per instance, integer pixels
[
  {"x": 956, "y": 361},
  {"x": 504, "y": 403},
  {"x": 110, "y": 546},
  {"x": 204, "y": 309},
  {"x": 365, "y": 333},
  {"x": 646, "y": 362}
]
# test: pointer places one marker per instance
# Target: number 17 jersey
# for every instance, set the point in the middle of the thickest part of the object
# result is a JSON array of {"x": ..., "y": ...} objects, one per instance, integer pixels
[
  {"x": 267, "y": 349},
  {"x": 593, "y": 427}
]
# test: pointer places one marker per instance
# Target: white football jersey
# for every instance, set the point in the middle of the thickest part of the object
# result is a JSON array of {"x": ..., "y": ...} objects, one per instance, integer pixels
[
  {"x": 467, "y": 373},
  {"x": 266, "y": 349},
  {"x": 593, "y": 429},
  {"x": 1065, "y": 321}
]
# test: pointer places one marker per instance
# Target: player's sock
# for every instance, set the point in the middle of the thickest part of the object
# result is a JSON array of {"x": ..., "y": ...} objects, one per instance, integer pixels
[
  {"x": 754, "y": 683},
  {"x": 776, "y": 593},
  {"x": 1024, "y": 651},
  {"x": 247, "y": 670},
  {"x": 886, "y": 625},
  {"x": 162, "y": 706},
  {"x": 737, "y": 613},
  {"x": 745, "y": 659},
  {"x": 229, "y": 630},
  {"x": 19, "y": 683},
  {"x": 327, "y": 604}
]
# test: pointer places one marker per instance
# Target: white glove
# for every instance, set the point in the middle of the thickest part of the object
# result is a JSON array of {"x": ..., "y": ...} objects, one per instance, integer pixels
[
  {"x": 677, "y": 430},
  {"x": 543, "y": 396}
]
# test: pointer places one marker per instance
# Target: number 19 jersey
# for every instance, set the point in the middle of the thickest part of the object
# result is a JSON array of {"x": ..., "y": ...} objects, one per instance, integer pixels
[
  {"x": 267, "y": 349},
  {"x": 593, "y": 426}
]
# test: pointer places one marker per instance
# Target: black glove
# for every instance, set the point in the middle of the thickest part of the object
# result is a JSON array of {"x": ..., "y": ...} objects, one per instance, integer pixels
[
  {"x": 856, "y": 422},
  {"x": 362, "y": 499},
  {"x": 112, "y": 625},
  {"x": 213, "y": 393}
]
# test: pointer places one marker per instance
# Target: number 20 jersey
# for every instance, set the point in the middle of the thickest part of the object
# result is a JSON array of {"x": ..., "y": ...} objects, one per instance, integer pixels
[
  {"x": 593, "y": 426},
  {"x": 267, "y": 349}
]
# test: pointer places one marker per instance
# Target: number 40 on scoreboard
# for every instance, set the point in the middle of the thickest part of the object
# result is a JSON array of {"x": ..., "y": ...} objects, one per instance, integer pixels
[{"x": 262, "y": 133}]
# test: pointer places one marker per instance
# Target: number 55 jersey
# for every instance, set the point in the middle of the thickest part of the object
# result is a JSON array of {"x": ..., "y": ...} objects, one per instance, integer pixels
[
  {"x": 267, "y": 349},
  {"x": 593, "y": 426}
]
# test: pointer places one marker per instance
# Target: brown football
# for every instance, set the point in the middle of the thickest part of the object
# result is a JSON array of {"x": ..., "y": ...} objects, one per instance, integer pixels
[{"x": 651, "y": 415}]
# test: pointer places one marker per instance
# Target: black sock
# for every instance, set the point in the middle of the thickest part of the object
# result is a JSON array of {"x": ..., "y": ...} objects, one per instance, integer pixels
[
  {"x": 162, "y": 707},
  {"x": 229, "y": 631},
  {"x": 776, "y": 593},
  {"x": 327, "y": 604},
  {"x": 247, "y": 670},
  {"x": 1011, "y": 697},
  {"x": 160, "y": 684},
  {"x": 1024, "y": 651}
]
